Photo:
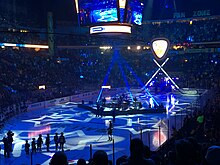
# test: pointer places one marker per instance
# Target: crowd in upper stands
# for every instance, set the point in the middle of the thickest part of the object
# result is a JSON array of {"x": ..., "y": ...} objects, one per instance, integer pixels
[
  {"x": 188, "y": 31},
  {"x": 179, "y": 31}
]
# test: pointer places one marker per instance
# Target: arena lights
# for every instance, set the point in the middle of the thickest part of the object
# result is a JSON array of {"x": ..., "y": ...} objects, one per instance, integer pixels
[
  {"x": 108, "y": 98},
  {"x": 138, "y": 47},
  {"x": 42, "y": 87},
  {"x": 176, "y": 47},
  {"x": 120, "y": 28},
  {"x": 36, "y": 46},
  {"x": 146, "y": 47},
  {"x": 105, "y": 47},
  {"x": 9, "y": 45},
  {"x": 106, "y": 87},
  {"x": 24, "y": 45}
]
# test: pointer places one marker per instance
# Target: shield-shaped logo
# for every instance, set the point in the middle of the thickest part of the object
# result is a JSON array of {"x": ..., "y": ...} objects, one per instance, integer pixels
[{"x": 160, "y": 47}]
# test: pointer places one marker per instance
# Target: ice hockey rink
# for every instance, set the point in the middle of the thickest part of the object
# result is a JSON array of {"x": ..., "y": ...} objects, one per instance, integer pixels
[{"x": 85, "y": 133}]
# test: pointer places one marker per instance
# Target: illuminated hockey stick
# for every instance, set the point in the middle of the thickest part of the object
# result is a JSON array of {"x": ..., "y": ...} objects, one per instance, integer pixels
[{"x": 160, "y": 68}]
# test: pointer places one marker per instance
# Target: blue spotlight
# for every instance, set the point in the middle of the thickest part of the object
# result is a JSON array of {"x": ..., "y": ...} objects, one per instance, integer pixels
[
  {"x": 125, "y": 80},
  {"x": 100, "y": 93},
  {"x": 107, "y": 75},
  {"x": 139, "y": 81}
]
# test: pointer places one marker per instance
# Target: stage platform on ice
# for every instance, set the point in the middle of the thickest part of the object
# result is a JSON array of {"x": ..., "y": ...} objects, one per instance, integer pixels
[
  {"x": 108, "y": 111},
  {"x": 165, "y": 102}
]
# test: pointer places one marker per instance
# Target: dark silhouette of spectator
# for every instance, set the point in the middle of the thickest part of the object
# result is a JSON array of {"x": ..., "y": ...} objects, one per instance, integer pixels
[
  {"x": 147, "y": 152},
  {"x": 97, "y": 110},
  {"x": 137, "y": 154},
  {"x": 47, "y": 142},
  {"x": 10, "y": 135},
  {"x": 196, "y": 149},
  {"x": 213, "y": 155},
  {"x": 33, "y": 145},
  {"x": 6, "y": 147},
  {"x": 62, "y": 141},
  {"x": 100, "y": 157},
  {"x": 59, "y": 158},
  {"x": 140, "y": 105},
  {"x": 185, "y": 152},
  {"x": 103, "y": 101},
  {"x": 171, "y": 158},
  {"x": 39, "y": 143},
  {"x": 156, "y": 157},
  {"x": 101, "y": 110},
  {"x": 113, "y": 114},
  {"x": 56, "y": 140},
  {"x": 27, "y": 147},
  {"x": 110, "y": 130},
  {"x": 121, "y": 160},
  {"x": 81, "y": 162}
]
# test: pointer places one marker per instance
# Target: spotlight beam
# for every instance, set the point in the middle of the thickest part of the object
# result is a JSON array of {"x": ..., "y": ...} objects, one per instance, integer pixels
[
  {"x": 106, "y": 77},
  {"x": 125, "y": 80},
  {"x": 139, "y": 80}
]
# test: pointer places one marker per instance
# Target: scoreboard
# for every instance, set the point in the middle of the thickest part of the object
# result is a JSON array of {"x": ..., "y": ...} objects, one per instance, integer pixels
[{"x": 99, "y": 12}]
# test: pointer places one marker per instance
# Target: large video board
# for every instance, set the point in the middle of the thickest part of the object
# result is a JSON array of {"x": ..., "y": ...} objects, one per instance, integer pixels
[
  {"x": 135, "y": 11},
  {"x": 93, "y": 12},
  {"x": 97, "y": 11}
]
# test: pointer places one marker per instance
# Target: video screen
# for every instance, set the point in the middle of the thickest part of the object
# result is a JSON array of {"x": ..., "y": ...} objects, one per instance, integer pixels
[
  {"x": 135, "y": 11},
  {"x": 122, "y": 15},
  {"x": 97, "y": 11},
  {"x": 104, "y": 15}
]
